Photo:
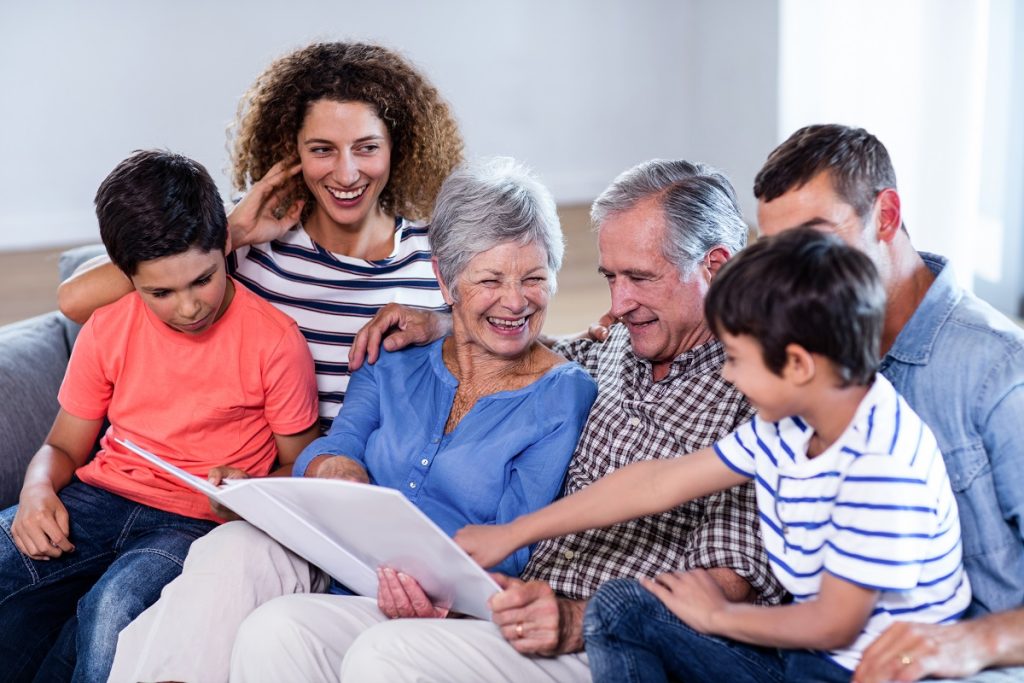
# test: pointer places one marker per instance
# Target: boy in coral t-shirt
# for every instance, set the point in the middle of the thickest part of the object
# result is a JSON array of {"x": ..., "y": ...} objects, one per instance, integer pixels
[{"x": 191, "y": 366}]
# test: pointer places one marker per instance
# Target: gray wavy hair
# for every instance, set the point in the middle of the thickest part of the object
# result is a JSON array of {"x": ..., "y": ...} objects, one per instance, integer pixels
[
  {"x": 489, "y": 202},
  {"x": 700, "y": 206}
]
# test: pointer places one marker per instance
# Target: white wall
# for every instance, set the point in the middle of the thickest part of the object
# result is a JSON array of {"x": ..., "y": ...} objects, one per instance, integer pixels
[
  {"x": 579, "y": 89},
  {"x": 941, "y": 83}
]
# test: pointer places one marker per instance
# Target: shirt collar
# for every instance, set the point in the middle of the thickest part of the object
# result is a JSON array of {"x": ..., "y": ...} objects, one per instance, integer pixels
[
  {"x": 705, "y": 359},
  {"x": 917, "y": 338}
]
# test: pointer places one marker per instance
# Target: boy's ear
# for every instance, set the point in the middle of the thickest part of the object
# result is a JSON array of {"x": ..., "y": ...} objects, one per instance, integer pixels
[
  {"x": 227, "y": 244},
  {"x": 800, "y": 367},
  {"x": 445, "y": 293}
]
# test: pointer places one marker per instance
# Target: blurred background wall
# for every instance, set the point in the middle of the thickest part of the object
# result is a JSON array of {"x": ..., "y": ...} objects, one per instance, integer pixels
[{"x": 578, "y": 89}]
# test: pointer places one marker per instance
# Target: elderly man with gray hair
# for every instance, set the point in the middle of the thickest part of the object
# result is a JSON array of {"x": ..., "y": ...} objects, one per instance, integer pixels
[
  {"x": 664, "y": 229},
  {"x": 477, "y": 427}
]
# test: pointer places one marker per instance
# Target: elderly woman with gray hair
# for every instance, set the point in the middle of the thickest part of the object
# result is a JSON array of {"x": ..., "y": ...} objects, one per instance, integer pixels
[{"x": 475, "y": 428}]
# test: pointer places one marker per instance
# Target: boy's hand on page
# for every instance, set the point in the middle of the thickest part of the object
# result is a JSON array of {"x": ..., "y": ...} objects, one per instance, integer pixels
[
  {"x": 395, "y": 327},
  {"x": 692, "y": 596},
  {"x": 41, "y": 525},
  {"x": 219, "y": 474},
  {"x": 399, "y": 596},
  {"x": 487, "y": 544},
  {"x": 215, "y": 477},
  {"x": 259, "y": 218}
]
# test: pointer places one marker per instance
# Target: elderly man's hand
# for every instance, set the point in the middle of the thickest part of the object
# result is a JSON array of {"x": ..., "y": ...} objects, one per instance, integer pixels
[
  {"x": 399, "y": 596},
  {"x": 909, "y": 652},
  {"x": 395, "y": 327},
  {"x": 535, "y": 621}
]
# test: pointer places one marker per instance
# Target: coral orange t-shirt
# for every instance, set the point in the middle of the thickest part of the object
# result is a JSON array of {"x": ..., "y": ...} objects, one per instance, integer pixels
[{"x": 197, "y": 401}]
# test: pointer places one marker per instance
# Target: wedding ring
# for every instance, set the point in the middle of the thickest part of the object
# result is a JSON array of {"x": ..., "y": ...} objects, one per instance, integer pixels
[
  {"x": 906, "y": 660},
  {"x": 519, "y": 630}
]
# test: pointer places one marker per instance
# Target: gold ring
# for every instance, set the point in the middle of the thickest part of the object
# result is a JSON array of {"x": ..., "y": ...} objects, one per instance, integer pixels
[
  {"x": 906, "y": 660},
  {"x": 519, "y": 630}
]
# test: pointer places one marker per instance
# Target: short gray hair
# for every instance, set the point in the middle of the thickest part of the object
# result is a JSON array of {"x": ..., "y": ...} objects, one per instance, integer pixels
[
  {"x": 700, "y": 207},
  {"x": 487, "y": 203}
]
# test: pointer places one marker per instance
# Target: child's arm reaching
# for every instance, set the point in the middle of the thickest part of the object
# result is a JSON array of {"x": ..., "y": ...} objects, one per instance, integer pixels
[
  {"x": 642, "y": 488},
  {"x": 40, "y": 527},
  {"x": 832, "y": 620}
]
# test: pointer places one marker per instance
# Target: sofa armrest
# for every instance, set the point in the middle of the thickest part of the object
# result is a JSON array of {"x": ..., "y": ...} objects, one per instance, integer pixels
[{"x": 33, "y": 357}]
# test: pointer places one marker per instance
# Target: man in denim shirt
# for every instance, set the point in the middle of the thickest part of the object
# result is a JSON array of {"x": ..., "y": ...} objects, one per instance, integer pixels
[{"x": 960, "y": 365}]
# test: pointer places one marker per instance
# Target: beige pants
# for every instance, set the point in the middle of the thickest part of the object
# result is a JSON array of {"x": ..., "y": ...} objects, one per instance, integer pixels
[
  {"x": 188, "y": 634},
  {"x": 332, "y": 638},
  {"x": 242, "y": 609}
]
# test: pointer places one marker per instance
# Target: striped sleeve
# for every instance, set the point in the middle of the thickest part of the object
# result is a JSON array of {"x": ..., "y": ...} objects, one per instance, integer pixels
[{"x": 737, "y": 449}]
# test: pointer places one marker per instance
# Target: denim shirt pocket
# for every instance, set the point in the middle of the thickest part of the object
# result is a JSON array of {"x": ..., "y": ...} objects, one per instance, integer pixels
[{"x": 970, "y": 476}]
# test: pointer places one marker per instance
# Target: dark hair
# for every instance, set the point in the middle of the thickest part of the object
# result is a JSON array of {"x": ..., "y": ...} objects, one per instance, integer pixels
[
  {"x": 805, "y": 287},
  {"x": 156, "y": 203},
  {"x": 426, "y": 144},
  {"x": 857, "y": 163}
]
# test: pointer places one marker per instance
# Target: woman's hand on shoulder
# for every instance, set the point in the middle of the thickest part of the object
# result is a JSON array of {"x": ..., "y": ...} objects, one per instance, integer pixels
[
  {"x": 399, "y": 596},
  {"x": 337, "y": 467},
  {"x": 259, "y": 218},
  {"x": 395, "y": 327}
]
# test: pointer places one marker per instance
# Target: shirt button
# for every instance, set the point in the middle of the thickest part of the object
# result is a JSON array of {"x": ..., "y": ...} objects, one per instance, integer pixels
[
  {"x": 424, "y": 462},
  {"x": 568, "y": 554},
  {"x": 412, "y": 484},
  {"x": 435, "y": 441},
  {"x": 634, "y": 422}
]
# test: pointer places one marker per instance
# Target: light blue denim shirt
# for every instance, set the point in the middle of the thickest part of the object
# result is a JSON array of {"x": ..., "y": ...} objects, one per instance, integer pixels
[
  {"x": 960, "y": 365},
  {"x": 507, "y": 456}
]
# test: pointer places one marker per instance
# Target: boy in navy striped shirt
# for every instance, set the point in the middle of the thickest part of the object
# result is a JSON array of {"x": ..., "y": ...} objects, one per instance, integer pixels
[{"x": 856, "y": 512}]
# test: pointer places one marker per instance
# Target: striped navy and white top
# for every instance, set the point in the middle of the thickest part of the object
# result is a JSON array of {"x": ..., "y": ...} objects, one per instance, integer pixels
[
  {"x": 874, "y": 509},
  {"x": 332, "y": 296}
]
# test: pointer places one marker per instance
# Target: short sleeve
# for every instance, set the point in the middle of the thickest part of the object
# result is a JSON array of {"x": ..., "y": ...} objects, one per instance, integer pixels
[
  {"x": 87, "y": 387},
  {"x": 737, "y": 449},
  {"x": 290, "y": 385}
]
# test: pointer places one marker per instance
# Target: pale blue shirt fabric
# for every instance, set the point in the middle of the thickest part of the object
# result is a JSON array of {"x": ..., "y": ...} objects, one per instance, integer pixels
[
  {"x": 506, "y": 457},
  {"x": 959, "y": 363}
]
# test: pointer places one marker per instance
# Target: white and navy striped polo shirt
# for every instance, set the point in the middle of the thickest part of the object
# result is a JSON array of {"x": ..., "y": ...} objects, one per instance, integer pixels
[
  {"x": 875, "y": 509},
  {"x": 332, "y": 296}
]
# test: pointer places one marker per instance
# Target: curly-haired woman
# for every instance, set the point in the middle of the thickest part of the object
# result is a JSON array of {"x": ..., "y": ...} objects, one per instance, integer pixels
[{"x": 341, "y": 148}]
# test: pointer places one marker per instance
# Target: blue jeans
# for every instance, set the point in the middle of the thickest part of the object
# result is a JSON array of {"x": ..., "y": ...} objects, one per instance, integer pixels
[
  {"x": 631, "y": 636},
  {"x": 125, "y": 553}
]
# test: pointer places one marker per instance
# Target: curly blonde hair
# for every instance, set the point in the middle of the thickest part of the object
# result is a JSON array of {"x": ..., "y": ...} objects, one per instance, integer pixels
[{"x": 425, "y": 139}]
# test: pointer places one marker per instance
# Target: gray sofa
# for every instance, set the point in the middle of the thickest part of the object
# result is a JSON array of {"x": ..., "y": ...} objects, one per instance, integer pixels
[{"x": 33, "y": 356}]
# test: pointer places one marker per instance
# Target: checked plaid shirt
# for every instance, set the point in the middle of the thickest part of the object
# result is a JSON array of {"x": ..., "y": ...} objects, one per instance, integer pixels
[{"x": 635, "y": 418}]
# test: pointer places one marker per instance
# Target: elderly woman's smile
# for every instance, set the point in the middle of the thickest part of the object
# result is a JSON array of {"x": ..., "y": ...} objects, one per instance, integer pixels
[{"x": 501, "y": 298}]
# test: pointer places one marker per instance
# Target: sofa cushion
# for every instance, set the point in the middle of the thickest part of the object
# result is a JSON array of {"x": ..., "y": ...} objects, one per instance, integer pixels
[{"x": 32, "y": 363}]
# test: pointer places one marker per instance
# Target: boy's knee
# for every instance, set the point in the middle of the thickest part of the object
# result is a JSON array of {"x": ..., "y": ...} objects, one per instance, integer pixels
[{"x": 615, "y": 600}]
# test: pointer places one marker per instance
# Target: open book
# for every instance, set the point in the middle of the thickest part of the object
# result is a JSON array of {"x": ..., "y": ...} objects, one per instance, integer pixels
[{"x": 349, "y": 530}]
